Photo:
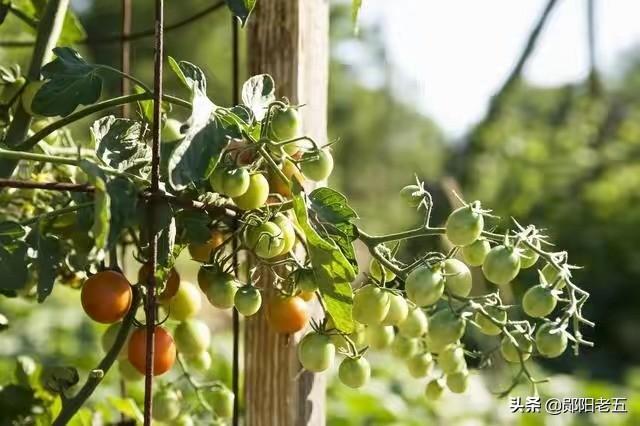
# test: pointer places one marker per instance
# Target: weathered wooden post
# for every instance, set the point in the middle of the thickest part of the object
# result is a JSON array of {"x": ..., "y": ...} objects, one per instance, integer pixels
[{"x": 288, "y": 39}]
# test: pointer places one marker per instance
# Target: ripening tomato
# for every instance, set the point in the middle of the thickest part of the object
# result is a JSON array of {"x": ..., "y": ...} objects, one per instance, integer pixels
[
  {"x": 317, "y": 165},
  {"x": 551, "y": 340},
  {"x": 415, "y": 325},
  {"x": 420, "y": 365},
  {"x": 434, "y": 389},
  {"x": 457, "y": 277},
  {"x": 170, "y": 286},
  {"x": 171, "y": 131},
  {"x": 354, "y": 372},
  {"x": 166, "y": 405},
  {"x": 464, "y": 226},
  {"x": 501, "y": 265},
  {"x": 398, "y": 310},
  {"x": 528, "y": 256},
  {"x": 202, "y": 252},
  {"x": 379, "y": 336},
  {"x": 539, "y": 301},
  {"x": 509, "y": 351},
  {"x": 279, "y": 186},
  {"x": 28, "y": 94},
  {"x": 445, "y": 327},
  {"x": 425, "y": 285},
  {"x": 248, "y": 300},
  {"x": 306, "y": 280},
  {"x": 222, "y": 400},
  {"x": 412, "y": 195},
  {"x": 451, "y": 359},
  {"x": 370, "y": 305},
  {"x": 164, "y": 350},
  {"x": 192, "y": 337},
  {"x": 288, "y": 232},
  {"x": 475, "y": 253},
  {"x": 186, "y": 303},
  {"x": 404, "y": 347},
  {"x": 256, "y": 195},
  {"x": 458, "y": 382},
  {"x": 235, "y": 182},
  {"x": 287, "y": 314},
  {"x": 284, "y": 125},
  {"x": 265, "y": 240},
  {"x": 487, "y": 326},
  {"x": 316, "y": 352},
  {"x": 106, "y": 296}
]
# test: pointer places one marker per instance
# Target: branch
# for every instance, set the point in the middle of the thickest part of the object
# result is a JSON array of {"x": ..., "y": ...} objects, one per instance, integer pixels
[
  {"x": 114, "y": 38},
  {"x": 72, "y": 405}
]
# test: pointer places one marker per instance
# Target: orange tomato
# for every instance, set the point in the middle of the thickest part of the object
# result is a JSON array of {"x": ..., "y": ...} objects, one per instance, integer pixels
[
  {"x": 171, "y": 286},
  {"x": 277, "y": 185},
  {"x": 287, "y": 314},
  {"x": 202, "y": 252},
  {"x": 164, "y": 350},
  {"x": 106, "y": 296}
]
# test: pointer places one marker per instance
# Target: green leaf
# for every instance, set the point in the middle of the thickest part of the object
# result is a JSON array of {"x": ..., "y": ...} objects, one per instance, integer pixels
[
  {"x": 102, "y": 203},
  {"x": 331, "y": 206},
  {"x": 4, "y": 10},
  {"x": 123, "y": 207},
  {"x": 72, "y": 29},
  {"x": 119, "y": 144},
  {"x": 355, "y": 11},
  {"x": 194, "y": 225},
  {"x": 146, "y": 107},
  {"x": 71, "y": 82},
  {"x": 257, "y": 93},
  {"x": 13, "y": 267},
  {"x": 50, "y": 254},
  {"x": 58, "y": 379},
  {"x": 11, "y": 231},
  {"x": 331, "y": 268},
  {"x": 241, "y": 9},
  {"x": 128, "y": 407},
  {"x": 190, "y": 75},
  {"x": 18, "y": 402}
]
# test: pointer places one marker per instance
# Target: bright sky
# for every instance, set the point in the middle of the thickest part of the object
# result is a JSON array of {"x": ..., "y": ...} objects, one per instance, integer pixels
[{"x": 456, "y": 53}]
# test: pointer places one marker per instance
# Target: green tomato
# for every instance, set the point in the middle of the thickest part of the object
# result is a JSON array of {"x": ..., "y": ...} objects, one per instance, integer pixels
[
  {"x": 257, "y": 194},
  {"x": 445, "y": 327},
  {"x": 379, "y": 336},
  {"x": 128, "y": 372},
  {"x": 317, "y": 165},
  {"x": 501, "y": 265},
  {"x": 235, "y": 182},
  {"x": 404, "y": 348},
  {"x": 284, "y": 125},
  {"x": 166, "y": 406},
  {"x": 458, "y": 382},
  {"x": 398, "y": 310},
  {"x": 451, "y": 359},
  {"x": 475, "y": 253},
  {"x": 539, "y": 301},
  {"x": 248, "y": 300},
  {"x": 486, "y": 325},
  {"x": 200, "y": 362},
  {"x": 457, "y": 277},
  {"x": 354, "y": 372},
  {"x": 28, "y": 94},
  {"x": 306, "y": 280},
  {"x": 412, "y": 195},
  {"x": 370, "y": 305},
  {"x": 420, "y": 365},
  {"x": 550, "y": 340},
  {"x": 183, "y": 420},
  {"x": 288, "y": 232},
  {"x": 109, "y": 338},
  {"x": 11, "y": 89},
  {"x": 551, "y": 274},
  {"x": 509, "y": 351},
  {"x": 316, "y": 352},
  {"x": 171, "y": 131},
  {"x": 192, "y": 337},
  {"x": 434, "y": 390},
  {"x": 424, "y": 285},
  {"x": 464, "y": 226},
  {"x": 216, "y": 180},
  {"x": 221, "y": 291},
  {"x": 375, "y": 269},
  {"x": 38, "y": 125},
  {"x": 221, "y": 400},
  {"x": 415, "y": 325},
  {"x": 186, "y": 303},
  {"x": 266, "y": 240},
  {"x": 528, "y": 256}
]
